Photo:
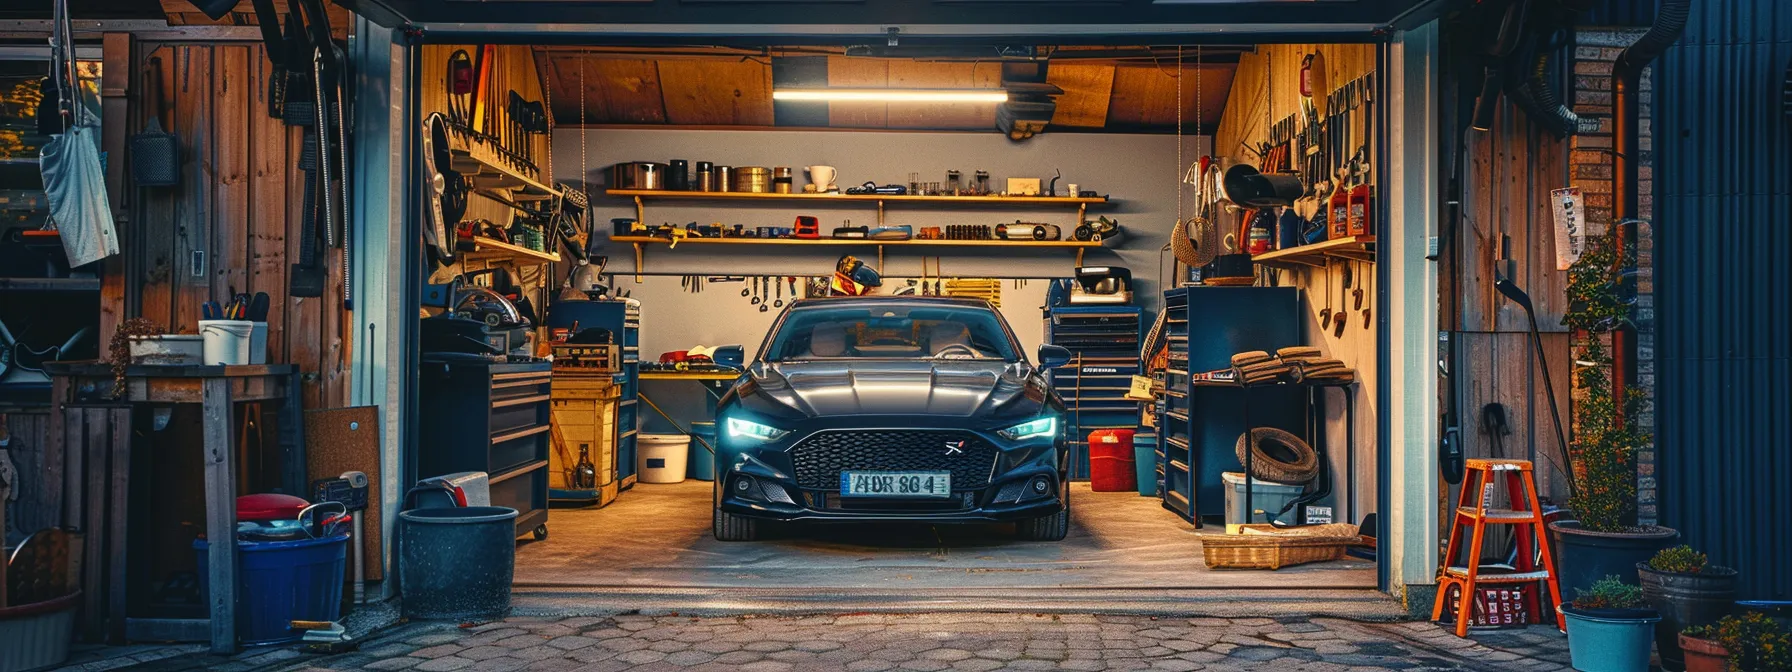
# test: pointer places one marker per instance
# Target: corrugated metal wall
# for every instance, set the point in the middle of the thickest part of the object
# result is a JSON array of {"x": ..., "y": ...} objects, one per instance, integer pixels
[
  {"x": 1620, "y": 13},
  {"x": 1724, "y": 289}
]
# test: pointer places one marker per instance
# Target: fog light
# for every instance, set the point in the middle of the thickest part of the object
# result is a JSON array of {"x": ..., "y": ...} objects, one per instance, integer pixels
[
  {"x": 742, "y": 484},
  {"x": 1039, "y": 485}
]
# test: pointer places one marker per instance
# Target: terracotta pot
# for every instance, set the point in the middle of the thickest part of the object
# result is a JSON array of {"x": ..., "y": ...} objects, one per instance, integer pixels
[{"x": 1704, "y": 655}]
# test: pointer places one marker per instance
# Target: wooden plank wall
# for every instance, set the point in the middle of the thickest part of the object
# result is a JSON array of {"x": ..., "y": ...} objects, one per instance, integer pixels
[
  {"x": 1507, "y": 231},
  {"x": 238, "y": 204},
  {"x": 38, "y": 503}
]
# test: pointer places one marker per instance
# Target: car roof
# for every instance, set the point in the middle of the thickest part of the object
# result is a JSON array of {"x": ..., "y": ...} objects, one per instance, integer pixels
[{"x": 969, "y": 302}]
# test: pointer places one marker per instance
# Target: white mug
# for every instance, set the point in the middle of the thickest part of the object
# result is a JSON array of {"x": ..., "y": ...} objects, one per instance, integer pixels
[{"x": 822, "y": 177}]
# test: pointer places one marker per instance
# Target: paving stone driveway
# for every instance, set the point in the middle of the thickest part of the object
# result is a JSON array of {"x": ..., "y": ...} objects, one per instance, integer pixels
[{"x": 923, "y": 642}]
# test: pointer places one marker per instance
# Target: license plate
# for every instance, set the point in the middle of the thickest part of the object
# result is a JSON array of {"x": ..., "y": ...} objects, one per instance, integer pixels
[{"x": 896, "y": 483}]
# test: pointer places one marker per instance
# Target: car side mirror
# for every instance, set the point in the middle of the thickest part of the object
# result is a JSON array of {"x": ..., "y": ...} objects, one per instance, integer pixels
[{"x": 1053, "y": 356}]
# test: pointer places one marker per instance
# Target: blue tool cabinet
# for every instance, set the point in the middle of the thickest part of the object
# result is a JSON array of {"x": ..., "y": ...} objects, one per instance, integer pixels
[{"x": 1104, "y": 343}]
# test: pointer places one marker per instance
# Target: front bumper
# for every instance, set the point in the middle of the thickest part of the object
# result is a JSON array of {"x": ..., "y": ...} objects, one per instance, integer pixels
[{"x": 998, "y": 481}]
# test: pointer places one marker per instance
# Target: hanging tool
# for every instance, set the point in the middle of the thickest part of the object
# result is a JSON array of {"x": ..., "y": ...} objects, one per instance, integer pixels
[
  {"x": 779, "y": 302},
  {"x": 1325, "y": 315},
  {"x": 758, "y": 289}
]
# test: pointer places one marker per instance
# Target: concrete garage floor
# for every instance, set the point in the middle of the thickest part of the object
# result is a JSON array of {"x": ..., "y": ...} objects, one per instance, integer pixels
[{"x": 658, "y": 537}]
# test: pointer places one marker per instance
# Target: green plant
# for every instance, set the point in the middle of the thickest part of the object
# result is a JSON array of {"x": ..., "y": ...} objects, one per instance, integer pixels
[
  {"x": 1606, "y": 432},
  {"x": 1755, "y": 642},
  {"x": 1678, "y": 560},
  {"x": 1610, "y": 593},
  {"x": 1701, "y": 632}
]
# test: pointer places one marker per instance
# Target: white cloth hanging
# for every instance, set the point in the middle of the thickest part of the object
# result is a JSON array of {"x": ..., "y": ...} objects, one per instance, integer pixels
[{"x": 76, "y": 187}]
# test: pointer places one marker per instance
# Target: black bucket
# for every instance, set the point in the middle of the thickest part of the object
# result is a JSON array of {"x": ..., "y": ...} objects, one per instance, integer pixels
[
  {"x": 1584, "y": 556},
  {"x": 1685, "y": 600},
  {"x": 457, "y": 563}
]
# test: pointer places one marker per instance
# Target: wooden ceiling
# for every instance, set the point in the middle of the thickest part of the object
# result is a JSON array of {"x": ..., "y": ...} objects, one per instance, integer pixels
[{"x": 1111, "y": 91}]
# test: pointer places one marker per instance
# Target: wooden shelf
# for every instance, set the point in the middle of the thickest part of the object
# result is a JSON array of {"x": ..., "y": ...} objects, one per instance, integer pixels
[
  {"x": 488, "y": 249},
  {"x": 890, "y": 198},
  {"x": 686, "y": 375},
  {"x": 1354, "y": 248},
  {"x": 857, "y": 241},
  {"x": 49, "y": 284},
  {"x": 495, "y": 175}
]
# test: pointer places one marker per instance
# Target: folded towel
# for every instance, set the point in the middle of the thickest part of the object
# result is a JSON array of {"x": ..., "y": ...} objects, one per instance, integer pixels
[
  {"x": 1300, "y": 352},
  {"x": 1250, "y": 357}
]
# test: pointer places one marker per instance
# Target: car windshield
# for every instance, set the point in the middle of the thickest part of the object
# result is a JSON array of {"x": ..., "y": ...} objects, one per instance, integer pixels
[{"x": 897, "y": 330}]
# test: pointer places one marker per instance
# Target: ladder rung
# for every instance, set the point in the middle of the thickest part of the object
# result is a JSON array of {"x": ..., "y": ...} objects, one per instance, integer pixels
[
  {"x": 1494, "y": 575},
  {"x": 1497, "y": 515}
]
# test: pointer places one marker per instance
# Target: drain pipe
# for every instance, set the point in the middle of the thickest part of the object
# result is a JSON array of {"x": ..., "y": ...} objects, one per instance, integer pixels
[{"x": 1670, "y": 21}]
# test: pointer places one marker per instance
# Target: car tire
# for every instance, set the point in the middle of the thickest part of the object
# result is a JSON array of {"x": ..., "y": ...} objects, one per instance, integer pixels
[
  {"x": 730, "y": 527},
  {"x": 1046, "y": 528}
]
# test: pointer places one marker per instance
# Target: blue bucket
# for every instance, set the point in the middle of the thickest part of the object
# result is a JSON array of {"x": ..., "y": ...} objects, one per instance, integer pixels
[
  {"x": 702, "y": 465},
  {"x": 1144, "y": 463},
  {"x": 279, "y": 582},
  {"x": 1615, "y": 640}
]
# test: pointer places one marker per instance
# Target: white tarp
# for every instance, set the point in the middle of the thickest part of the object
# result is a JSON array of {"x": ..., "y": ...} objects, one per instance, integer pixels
[{"x": 76, "y": 186}]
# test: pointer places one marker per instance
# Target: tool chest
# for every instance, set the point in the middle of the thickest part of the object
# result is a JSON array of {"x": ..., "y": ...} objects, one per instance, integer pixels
[
  {"x": 1104, "y": 344},
  {"x": 1199, "y": 425},
  {"x": 623, "y": 320},
  {"x": 490, "y": 417}
]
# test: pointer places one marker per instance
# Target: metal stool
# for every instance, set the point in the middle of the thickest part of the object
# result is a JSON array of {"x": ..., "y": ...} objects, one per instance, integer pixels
[{"x": 1528, "y": 531}]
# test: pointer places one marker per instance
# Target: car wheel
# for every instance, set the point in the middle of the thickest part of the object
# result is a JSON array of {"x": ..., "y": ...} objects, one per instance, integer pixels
[
  {"x": 1046, "y": 528},
  {"x": 730, "y": 527}
]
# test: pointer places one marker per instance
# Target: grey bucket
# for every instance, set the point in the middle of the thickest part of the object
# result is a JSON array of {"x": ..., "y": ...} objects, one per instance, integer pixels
[
  {"x": 457, "y": 563},
  {"x": 1685, "y": 600}
]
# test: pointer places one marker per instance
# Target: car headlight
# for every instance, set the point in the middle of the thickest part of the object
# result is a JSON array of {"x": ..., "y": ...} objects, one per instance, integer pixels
[
  {"x": 753, "y": 431},
  {"x": 1032, "y": 428}
]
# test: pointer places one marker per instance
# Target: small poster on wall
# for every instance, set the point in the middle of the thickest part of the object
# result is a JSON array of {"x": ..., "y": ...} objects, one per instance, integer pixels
[{"x": 1570, "y": 218}]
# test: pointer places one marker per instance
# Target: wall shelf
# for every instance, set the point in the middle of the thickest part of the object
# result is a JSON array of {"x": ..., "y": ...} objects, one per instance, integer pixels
[
  {"x": 1317, "y": 255},
  {"x": 641, "y": 197},
  {"x": 49, "y": 284},
  {"x": 640, "y": 241},
  {"x": 488, "y": 249}
]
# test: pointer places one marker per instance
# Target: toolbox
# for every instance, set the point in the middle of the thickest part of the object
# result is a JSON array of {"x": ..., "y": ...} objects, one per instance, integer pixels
[{"x": 1104, "y": 345}]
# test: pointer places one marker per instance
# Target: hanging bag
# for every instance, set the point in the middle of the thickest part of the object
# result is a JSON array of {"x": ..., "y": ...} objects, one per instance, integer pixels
[{"x": 155, "y": 153}]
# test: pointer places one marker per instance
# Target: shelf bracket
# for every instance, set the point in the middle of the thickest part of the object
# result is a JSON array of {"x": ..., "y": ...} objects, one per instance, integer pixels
[
  {"x": 1082, "y": 211},
  {"x": 640, "y": 212},
  {"x": 880, "y": 251},
  {"x": 638, "y": 276},
  {"x": 1079, "y": 257},
  {"x": 880, "y": 224}
]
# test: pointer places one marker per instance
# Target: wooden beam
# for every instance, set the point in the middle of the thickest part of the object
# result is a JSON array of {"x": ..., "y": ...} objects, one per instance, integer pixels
[
  {"x": 1087, "y": 89},
  {"x": 115, "y": 91},
  {"x": 941, "y": 75}
]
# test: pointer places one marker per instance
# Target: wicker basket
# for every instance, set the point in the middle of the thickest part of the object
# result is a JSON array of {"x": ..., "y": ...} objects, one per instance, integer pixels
[{"x": 1266, "y": 547}]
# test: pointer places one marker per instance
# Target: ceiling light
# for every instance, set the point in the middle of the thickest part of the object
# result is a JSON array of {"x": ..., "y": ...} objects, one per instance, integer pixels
[{"x": 894, "y": 95}]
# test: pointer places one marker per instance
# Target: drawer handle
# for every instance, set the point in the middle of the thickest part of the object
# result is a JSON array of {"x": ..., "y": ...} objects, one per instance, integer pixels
[{"x": 520, "y": 401}]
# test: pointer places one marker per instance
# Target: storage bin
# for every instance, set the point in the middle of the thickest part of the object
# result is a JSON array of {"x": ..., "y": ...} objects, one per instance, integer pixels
[
  {"x": 1144, "y": 463},
  {"x": 1266, "y": 497},
  {"x": 703, "y": 456},
  {"x": 663, "y": 457},
  {"x": 172, "y": 349},
  {"x": 457, "y": 563},
  {"x": 279, "y": 582},
  {"x": 1111, "y": 461},
  {"x": 226, "y": 341}
]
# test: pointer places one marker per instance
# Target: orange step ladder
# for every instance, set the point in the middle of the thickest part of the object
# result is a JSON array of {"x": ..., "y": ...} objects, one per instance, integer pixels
[{"x": 1528, "y": 531}]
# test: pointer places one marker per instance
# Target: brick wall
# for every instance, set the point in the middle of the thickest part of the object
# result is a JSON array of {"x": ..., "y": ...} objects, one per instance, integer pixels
[{"x": 1592, "y": 171}]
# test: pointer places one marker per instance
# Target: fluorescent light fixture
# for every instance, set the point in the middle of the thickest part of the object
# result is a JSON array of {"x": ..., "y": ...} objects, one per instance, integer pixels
[{"x": 894, "y": 95}]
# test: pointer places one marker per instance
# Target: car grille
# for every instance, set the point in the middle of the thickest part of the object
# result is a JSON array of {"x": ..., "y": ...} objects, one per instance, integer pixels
[{"x": 821, "y": 457}]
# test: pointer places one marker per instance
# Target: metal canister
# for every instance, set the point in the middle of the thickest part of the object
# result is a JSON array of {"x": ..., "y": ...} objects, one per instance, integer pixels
[
  {"x": 722, "y": 178},
  {"x": 753, "y": 179},
  {"x": 781, "y": 179},
  {"x": 705, "y": 177},
  {"x": 678, "y": 176}
]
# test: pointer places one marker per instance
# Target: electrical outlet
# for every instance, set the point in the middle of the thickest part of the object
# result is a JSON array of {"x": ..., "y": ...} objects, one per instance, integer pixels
[
  {"x": 198, "y": 267},
  {"x": 1432, "y": 247}
]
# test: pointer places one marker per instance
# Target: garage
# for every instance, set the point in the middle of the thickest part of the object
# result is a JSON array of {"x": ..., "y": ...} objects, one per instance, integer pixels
[{"x": 750, "y": 202}]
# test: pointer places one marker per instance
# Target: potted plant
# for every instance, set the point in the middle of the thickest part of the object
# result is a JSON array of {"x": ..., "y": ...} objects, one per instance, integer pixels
[
  {"x": 1609, "y": 627},
  {"x": 1703, "y": 653},
  {"x": 1689, "y": 591},
  {"x": 1756, "y": 643},
  {"x": 1604, "y": 539}
]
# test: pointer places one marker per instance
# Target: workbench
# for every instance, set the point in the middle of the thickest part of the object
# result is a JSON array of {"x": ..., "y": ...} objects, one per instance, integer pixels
[{"x": 80, "y": 388}]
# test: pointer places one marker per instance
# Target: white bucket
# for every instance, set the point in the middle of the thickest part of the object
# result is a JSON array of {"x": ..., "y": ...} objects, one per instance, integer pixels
[
  {"x": 258, "y": 344},
  {"x": 168, "y": 349},
  {"x": 662, "y": 457},
  {"x": 226, "y": 341}
]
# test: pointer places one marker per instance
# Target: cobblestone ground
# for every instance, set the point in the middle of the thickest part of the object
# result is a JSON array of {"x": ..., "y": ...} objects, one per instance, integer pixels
[{"x": 925, "y": 642}]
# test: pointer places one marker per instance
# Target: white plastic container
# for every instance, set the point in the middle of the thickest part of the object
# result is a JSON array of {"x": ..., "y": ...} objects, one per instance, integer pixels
[
  {"x": 662, "y": 458},
  {"x": 258, "y": 343},
  {"x": 1266, "y": 497},
  {"x": 168, "y": 349},
  {"x": 226, "y": 341}
]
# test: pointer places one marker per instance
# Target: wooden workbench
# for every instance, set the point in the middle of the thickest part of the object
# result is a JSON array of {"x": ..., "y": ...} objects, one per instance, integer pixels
[{"x": 216, "y": 389}]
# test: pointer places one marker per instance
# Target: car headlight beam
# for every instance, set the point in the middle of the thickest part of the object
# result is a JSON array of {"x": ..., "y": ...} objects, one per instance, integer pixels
[
  {"x": 1047, "y": 426},
  {"x": 753, "y": 431}
]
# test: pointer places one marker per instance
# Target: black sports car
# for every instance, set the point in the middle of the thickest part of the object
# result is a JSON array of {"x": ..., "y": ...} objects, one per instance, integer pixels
[{"x": 893, "y": 409}]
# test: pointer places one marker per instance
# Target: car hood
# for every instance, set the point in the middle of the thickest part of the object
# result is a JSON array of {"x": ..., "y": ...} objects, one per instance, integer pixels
[{"x": 948, "y": 387}]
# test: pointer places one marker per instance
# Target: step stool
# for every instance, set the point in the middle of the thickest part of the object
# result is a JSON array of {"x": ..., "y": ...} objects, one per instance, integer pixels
[{"x": 1528, "y": 532}]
